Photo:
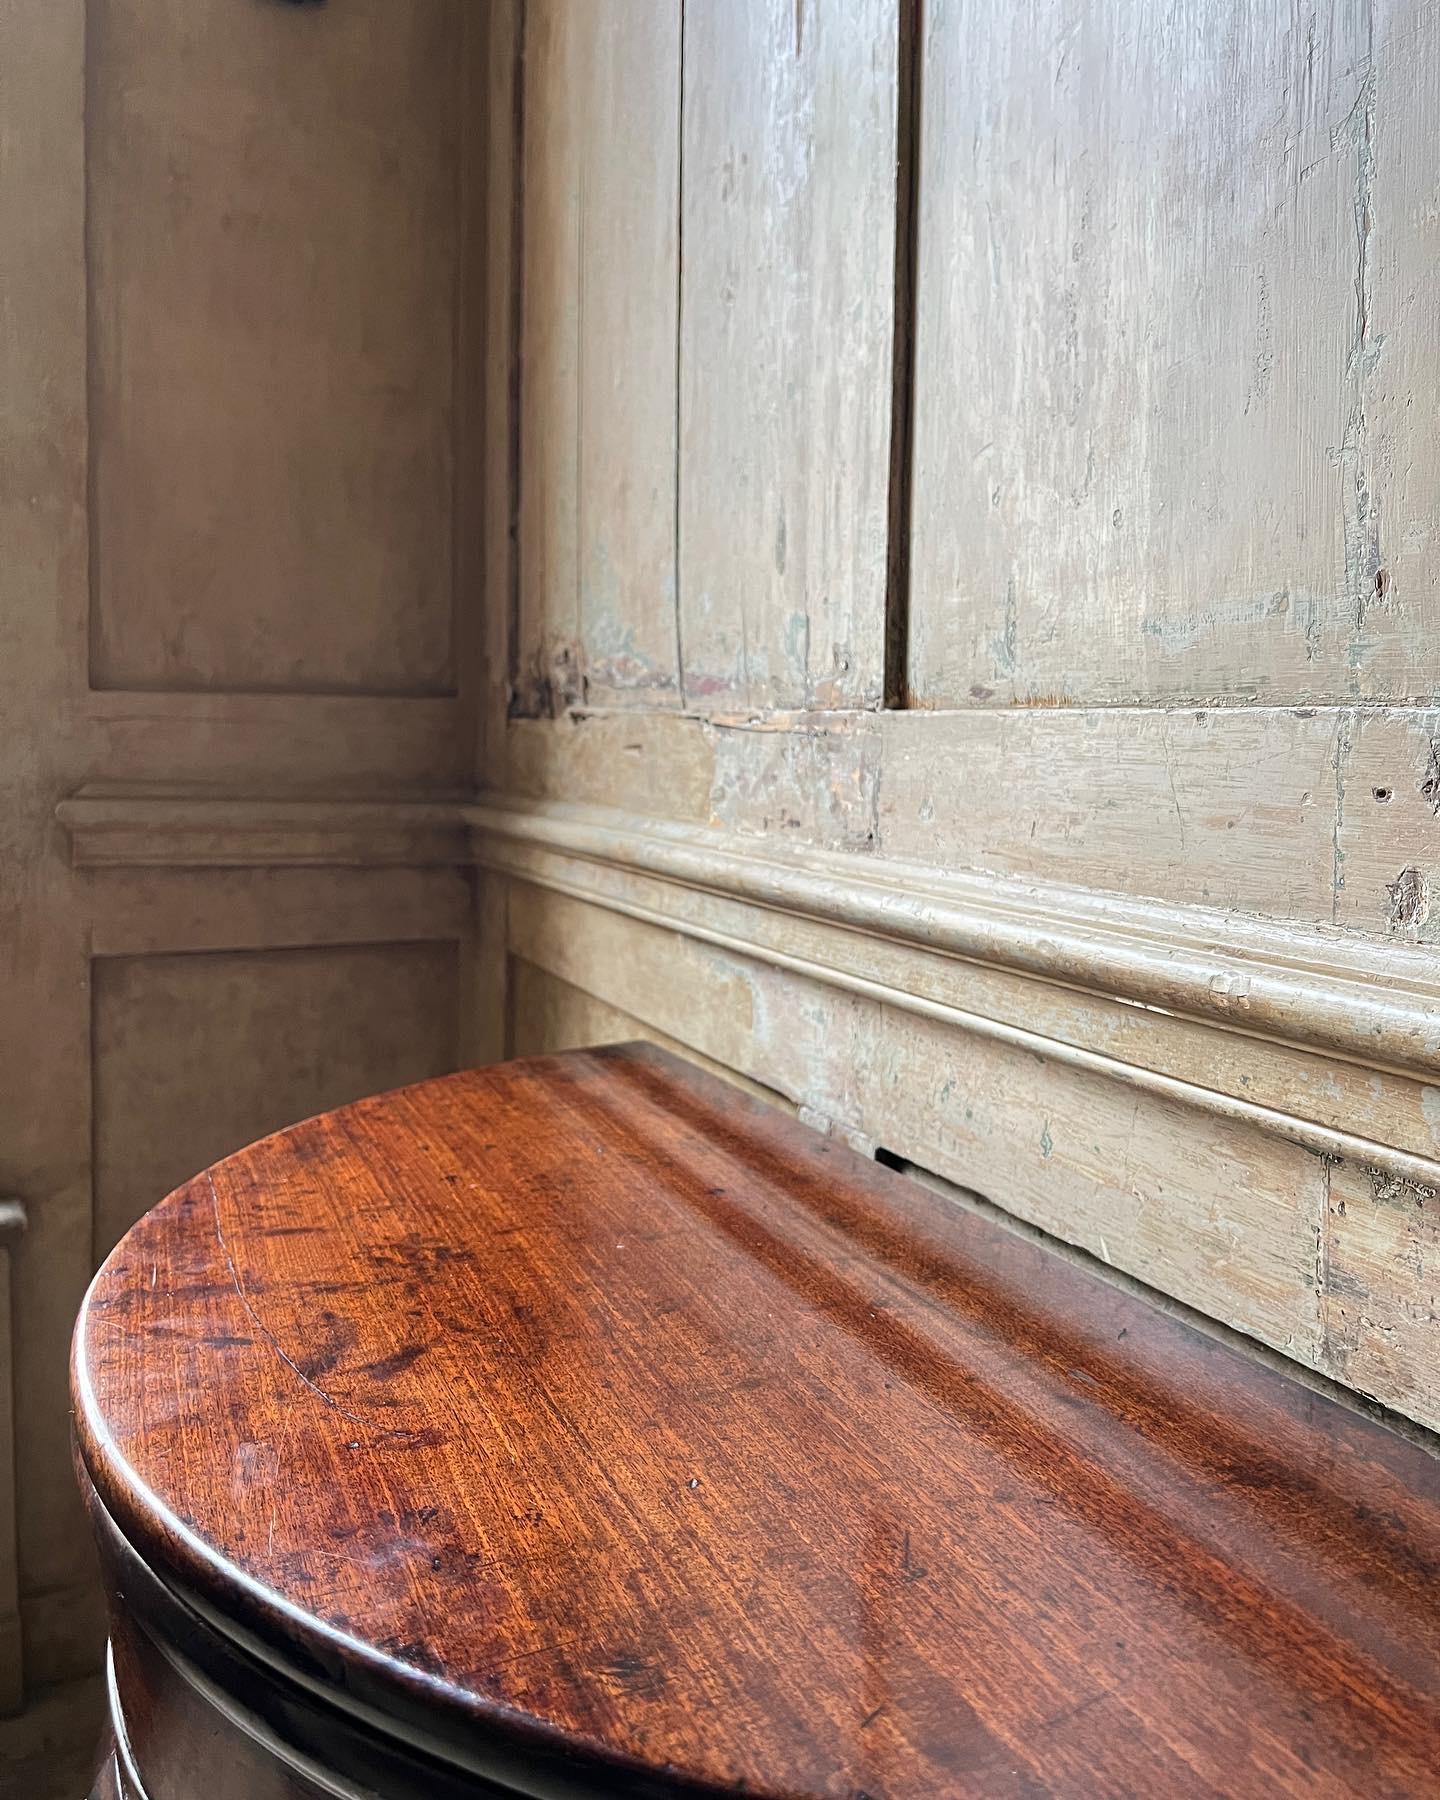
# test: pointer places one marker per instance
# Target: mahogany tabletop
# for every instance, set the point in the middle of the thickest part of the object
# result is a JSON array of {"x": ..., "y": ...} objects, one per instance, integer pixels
[{"x": 615, "y": 1433}]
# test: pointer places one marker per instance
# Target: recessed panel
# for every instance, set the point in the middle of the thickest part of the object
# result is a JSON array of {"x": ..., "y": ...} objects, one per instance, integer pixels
[
  {"x": 197, "y": 1055},
  {"x": 273, "y": 222}
]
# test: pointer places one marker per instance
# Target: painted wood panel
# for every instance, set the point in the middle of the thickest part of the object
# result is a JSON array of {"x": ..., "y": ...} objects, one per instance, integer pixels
[
  {"x": 1170, "y": 328},
  {"x": 1257, "y": 1028},
  {"x": 197, "y": 1055},
  {"x": 1331, "y": 1262},
  {"x": 1381, "y": 1261},
  {"x": 227, "y": 437},
  {"x": 549, "y": 1014},
  {"x": 1398, "y": 352},
  {"x": 1228, "y": 1222},
  {"x": 789, "y": 139},
  {"x": 273, "y": 228},
  {"x": 600, "y": 292},
  {"x": 1305, "y": 816}
]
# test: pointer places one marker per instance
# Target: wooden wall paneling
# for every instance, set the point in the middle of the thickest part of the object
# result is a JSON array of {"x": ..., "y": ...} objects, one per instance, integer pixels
[
  {"x": 1392, "y": 444},
  {"x": 259, "y": 536},
  {"x": 44, "y": 1100},
  {"x": 1223, "y": 1216},
  {"x": 198, "y": 1054},
  {"x": 1144, "y": 469},
  {"x": 361, "y": 746},
  {"x": 1135, "y": 997},
  {"x": 661, "y": 765},
  {"x": 550, "y": 1014},
  {"x": 1387, "y": 836},
  {"x": 117, "y": 826},
  {"x": 273, "y": 234},
  {"x": 629, "y": 296},
  {"x": 545, "y": 650},
  {"x": 142, "y": 913},
  {"x": 496, "y": 323},
  {"x": 1380, "y": 1257},
  {"x": 788, "y": 210},
  {"x": 1254, "y": 811},
  {"x": 599, "y": 247},
  {"x": 1232, "y": 808},
  {"x": 499, "y": 199}
]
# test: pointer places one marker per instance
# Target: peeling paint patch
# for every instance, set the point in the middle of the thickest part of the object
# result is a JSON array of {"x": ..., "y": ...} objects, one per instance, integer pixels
[
  {"x": 1430, "y": 786},
  {"x": 1407, "y": 902},
  {"x": 553, "y": 683},
  {"x": 1398, "y": 1190},
  {"x": 817, "y": 782}
]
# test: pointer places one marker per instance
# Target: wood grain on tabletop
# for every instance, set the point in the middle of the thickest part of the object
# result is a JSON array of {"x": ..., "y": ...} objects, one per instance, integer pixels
[{"x": 585, "y": 1400}]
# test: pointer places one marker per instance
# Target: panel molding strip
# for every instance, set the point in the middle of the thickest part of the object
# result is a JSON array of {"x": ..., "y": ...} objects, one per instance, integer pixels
[
  {"x": 1374, "y": 1004},
  {"x": 168, "y": 828},
  {"x": 548, "y": 871},
  {"x": 904, "y": 934}
]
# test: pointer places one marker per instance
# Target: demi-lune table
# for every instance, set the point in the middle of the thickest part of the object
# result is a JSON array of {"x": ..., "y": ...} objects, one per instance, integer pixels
[{"x": 581, "y": 1426}]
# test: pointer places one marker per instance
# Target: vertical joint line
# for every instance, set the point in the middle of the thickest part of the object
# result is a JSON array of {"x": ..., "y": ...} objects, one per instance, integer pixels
[
  {"x": 902, "y": 375},
  {"x": 515, "y": 326},
  {"x": 679, "y": 368}
]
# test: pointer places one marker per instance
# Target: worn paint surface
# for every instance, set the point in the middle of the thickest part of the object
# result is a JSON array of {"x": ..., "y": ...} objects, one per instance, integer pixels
[
  {"x": 1168, "y": 632},
  {"x": 1171, "y": 340},
  {"x": 599, "y": 228},
  {"x": 706, "y": 301}
]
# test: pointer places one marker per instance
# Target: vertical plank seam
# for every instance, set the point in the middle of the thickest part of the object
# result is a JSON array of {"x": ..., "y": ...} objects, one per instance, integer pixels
[
  {"x": 895, "y": 679},
  {"x": 514, "y": 333},
  {"x": 87, "y": 264},
  {"x": 460, "y": 436},
  {"x": 679, "y": 358}
]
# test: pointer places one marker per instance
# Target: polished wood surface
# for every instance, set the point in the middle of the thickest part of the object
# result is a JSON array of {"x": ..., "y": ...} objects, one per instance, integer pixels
[{"x": 592, "y": 1425}]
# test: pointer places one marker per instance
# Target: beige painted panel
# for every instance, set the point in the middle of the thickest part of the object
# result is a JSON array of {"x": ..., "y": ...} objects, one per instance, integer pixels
[
  {"x": 198, "y": 1055},
  {"x": 148, "y": 913},
  {"x": 1215, "y": 1212},
  {"x": 663, "y": 765},
  {"x": 1382, "y": 1288},
  {"x": 788, "y": 264},
  {"x": 44, "y": 1101},
  {"x": 275, "y": 744},
  {"x": 1232, "y": 807},
  {"x": 495, "y": 217},
  {"x": 546, "y": 668},
  {"x": 550, "y": 1014},
  {"x": 600, "y": 246},
  {"x": 1236, "y": 1065},
  {"x": 1387, "y": 842},
  {"x": 273, "y": 223},
  {"x": 1399, "y": 355},
  {"x": 1147, "y": 352}
]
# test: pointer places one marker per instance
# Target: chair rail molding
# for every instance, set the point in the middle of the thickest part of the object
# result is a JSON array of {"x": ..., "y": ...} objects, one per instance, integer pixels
[
  {"x": 168, "y": 827},
  {"x": 1107, "y": 982},
  {"x": 1328, "y": 1038}
]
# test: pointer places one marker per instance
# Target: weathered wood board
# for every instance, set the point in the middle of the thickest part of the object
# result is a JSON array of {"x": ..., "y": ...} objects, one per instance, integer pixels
[
  {"x": 789, "y": 140},
  {"x": 599, "y": 228},
  {"x": 1173, "y": 352}
]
